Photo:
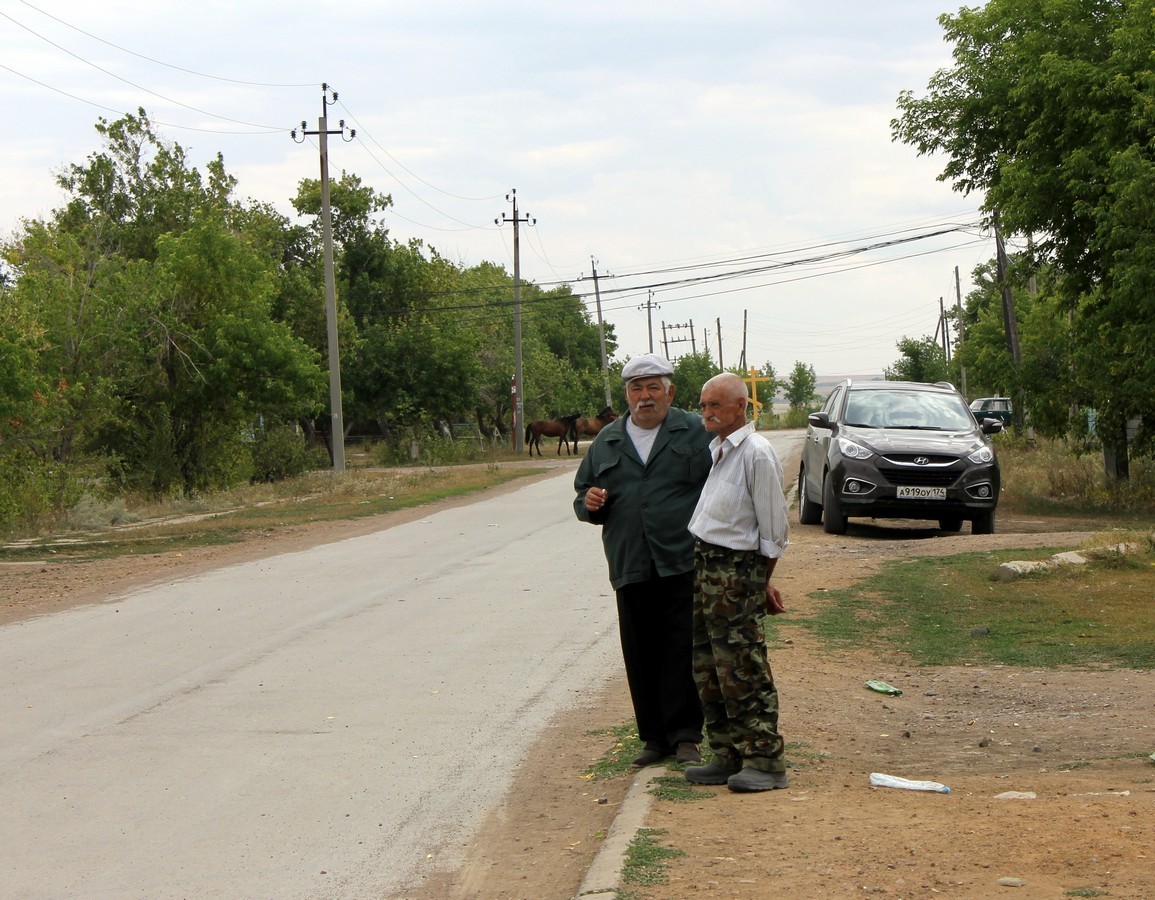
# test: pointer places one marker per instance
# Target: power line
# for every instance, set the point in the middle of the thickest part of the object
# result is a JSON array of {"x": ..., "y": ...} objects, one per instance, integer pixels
[
  {"x": 159, "y": 62},
  {"x": 121, "y": 112},
  {"x": 133, "y": 84}
]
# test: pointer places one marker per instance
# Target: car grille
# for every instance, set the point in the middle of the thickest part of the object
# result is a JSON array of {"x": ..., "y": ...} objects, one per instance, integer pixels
[
  {"x": 919, "y": 477},
  {"x": 931, "y": 459}
]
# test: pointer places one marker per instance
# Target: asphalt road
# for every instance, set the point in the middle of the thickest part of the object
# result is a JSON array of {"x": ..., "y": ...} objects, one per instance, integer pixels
[{"x": 328, "y": 723}]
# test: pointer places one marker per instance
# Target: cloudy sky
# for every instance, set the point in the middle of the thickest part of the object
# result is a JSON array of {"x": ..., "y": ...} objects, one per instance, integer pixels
[{"x": 727, "y": 164}]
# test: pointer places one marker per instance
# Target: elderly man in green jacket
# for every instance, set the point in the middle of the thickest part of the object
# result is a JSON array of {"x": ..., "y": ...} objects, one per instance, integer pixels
[{"x": 640, "y": 481}]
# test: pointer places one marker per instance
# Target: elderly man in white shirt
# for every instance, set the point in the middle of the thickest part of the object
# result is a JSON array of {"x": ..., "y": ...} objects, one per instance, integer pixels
[{"x": 741, "y": 530}]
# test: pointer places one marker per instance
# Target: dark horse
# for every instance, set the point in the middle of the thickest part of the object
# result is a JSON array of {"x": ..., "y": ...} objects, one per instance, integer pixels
[
  {"x": 591, "y": 426},
  {"x": 559, "y": 428}
]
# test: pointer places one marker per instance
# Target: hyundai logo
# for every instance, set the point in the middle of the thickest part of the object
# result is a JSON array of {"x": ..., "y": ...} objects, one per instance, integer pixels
[{"x": 922, "y": 461}]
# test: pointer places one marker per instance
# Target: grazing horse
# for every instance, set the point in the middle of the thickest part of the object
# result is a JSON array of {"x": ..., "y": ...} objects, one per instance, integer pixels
[
  {"x": 591, "y": 426},
  {"x": 558, "y": 428}
]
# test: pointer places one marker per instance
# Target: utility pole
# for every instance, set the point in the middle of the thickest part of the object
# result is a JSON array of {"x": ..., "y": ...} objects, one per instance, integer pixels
[
  {"x": 1010, "y": 322},
  {"x": 718, "y": 324},
  {"x": 649, "y": 308},
  {"x": 601, "y": 330},
  {"x": 742, "y": 361},
  {"x": 945, "y": 329},
  {"x": 337, "y": 426},
  {"x": 679, "y": 340},
  {"x": 519, "y": 384},
  {"x": 961, "y": 327}
]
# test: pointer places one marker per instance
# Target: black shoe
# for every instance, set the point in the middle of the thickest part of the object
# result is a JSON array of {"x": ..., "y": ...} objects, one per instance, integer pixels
[
  {"x": 712, "y": 773},
  {"x": 649, "y": 756},
  {"x": 688, "y": 754}
]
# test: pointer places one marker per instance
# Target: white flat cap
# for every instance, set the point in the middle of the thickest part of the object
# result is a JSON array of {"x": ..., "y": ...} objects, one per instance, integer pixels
[{"x": 646, "y": 365}]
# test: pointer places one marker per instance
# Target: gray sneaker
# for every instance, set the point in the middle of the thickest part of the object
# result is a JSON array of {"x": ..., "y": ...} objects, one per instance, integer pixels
[
  {"x": 751, "y": 779},
  {"x": 712, "y": 773}
]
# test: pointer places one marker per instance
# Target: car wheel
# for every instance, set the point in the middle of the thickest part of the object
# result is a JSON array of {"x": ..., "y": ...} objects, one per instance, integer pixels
[
  {"x": 833, "y": 520},
  {"x": 954, "y": 523},
  {"x": 984, "y": 523},
  {"x": 809, "y": 512}
]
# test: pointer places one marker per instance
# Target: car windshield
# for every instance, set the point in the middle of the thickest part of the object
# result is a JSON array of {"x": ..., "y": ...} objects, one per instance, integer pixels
[{"x": 908, "y": 409}]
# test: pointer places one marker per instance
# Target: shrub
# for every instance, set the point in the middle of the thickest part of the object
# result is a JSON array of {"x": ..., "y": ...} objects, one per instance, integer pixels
[{"x": 280, "y": 453}]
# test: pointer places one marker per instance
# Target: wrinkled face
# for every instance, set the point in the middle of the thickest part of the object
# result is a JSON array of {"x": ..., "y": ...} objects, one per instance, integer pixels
[
  {"x": 722, "y": 412},
  {"x": 649, "y": 400}
]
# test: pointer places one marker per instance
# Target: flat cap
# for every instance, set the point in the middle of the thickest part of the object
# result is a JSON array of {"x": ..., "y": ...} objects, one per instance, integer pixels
[{"x": 647, "y": 364}]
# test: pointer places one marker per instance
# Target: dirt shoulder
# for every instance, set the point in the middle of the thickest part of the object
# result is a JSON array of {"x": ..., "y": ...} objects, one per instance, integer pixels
[{"x": 1076, "y": 740}]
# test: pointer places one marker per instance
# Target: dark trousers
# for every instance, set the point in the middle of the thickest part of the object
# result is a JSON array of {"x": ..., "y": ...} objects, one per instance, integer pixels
[{"x": 655, "y": 618}]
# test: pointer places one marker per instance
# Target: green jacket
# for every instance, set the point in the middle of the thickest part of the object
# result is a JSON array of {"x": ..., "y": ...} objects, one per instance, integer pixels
[{"x": 649, "y": 507}]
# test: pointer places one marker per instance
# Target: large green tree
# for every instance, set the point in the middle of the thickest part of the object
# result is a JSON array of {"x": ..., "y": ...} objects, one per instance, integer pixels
[
  {"x": 1047, "y": 114},
  {"x": 154, "y": 307}
]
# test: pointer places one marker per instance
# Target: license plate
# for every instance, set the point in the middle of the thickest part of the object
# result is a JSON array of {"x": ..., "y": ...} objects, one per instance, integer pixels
[{"x": 914, "y": 492}]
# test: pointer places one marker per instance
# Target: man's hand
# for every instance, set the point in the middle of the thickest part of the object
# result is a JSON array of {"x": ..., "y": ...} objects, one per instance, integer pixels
[
  {"x": 596, "y": 498},
  {"x": 774, "y": 600}
]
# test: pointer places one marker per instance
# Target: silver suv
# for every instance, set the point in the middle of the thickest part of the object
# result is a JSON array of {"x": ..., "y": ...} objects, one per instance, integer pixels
[{"x": 898, "y": 449}]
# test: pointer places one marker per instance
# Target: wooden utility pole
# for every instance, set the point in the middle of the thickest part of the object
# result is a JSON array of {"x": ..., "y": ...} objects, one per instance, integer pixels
[
  {"x": 742, "y": 361},
  {"x": 718, "y": 324},
  {"x": 961, "y": 328},
  {"x": 519, "y": 384},
  {"x": 336, "y": 414},
  {"x": 649, "y": 308},
  {"x": 601, "y": 330},
  {"x": 1010, "y": 321}
]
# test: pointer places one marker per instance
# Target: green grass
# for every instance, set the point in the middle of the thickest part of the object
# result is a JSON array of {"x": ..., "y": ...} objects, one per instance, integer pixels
[
  {"x": 616, "y": 761},
  {"x": 645, "y": 864},
  {"x": 675, "y": 789},
  {"x": 951, "y": 611}
]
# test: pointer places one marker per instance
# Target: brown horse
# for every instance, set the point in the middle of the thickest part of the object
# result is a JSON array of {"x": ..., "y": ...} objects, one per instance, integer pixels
[
  {"x": 591, "y": 426},
  {"x": 558, "y": 428}
]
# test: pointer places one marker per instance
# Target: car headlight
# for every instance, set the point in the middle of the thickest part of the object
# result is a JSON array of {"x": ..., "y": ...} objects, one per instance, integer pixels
[
  {"x": 851, "y": 450},
  {"x": 984, "y": 454}
]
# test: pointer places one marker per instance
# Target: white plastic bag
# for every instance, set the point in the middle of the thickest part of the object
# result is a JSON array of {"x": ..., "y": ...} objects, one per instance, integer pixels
[{"x": 893, "y": 781}]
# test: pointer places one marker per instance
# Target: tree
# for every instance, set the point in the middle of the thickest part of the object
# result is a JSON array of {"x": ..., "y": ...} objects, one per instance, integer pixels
[
  {"x": 922, "y": 359},
  {"x": 156, "y": 315},
  {"x": 1047, "y": 112},
  {"x": 691, "y": 372},
  {"x": 801, "y": 387}
]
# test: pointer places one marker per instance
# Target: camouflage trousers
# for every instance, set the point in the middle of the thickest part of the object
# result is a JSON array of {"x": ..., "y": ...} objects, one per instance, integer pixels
[{"x": 731, "y": 671}]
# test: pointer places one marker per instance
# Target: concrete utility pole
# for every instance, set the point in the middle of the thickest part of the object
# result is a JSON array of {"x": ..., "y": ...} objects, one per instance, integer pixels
[
  {"x": 337, "y": 426},
  {"x": 518, "y": 383},
  {"x": 601, "y": 330}
]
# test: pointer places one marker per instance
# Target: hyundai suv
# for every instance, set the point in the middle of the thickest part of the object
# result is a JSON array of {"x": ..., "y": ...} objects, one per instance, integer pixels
[{"x": 898, "y": 449}]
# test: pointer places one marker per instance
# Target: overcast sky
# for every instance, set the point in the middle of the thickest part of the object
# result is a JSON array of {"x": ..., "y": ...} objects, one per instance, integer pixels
[{"x": 673, "y": 142}]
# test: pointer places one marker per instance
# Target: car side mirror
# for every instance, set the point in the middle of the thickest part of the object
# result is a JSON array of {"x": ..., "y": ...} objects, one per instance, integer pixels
[
  {"x": 992, "y": 426},
  {"x": 819, "y": 420}
]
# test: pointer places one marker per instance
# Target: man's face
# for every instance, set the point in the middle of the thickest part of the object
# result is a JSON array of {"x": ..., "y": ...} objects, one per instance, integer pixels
[
  {"x": 649, "y": 400},
  {"x": 722, "y": 413}
]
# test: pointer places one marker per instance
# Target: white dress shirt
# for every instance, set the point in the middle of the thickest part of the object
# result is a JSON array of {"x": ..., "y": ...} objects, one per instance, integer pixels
[{"x": 742, "y": 506}]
